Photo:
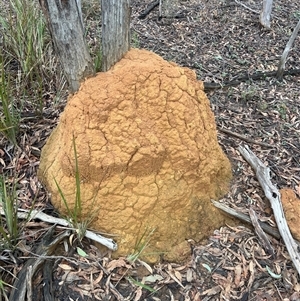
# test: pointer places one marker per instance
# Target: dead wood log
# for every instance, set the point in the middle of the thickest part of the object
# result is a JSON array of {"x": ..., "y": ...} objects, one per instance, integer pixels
[{"x": 273, "y": 195}]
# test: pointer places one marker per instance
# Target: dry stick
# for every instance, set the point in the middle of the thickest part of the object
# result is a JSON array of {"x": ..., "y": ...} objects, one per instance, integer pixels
[
  {"x": 33, "y": 214},
  {"x": 245, "y": 218},
  {"x": 286, "y": 51},
  {"x": 253, "y": 10},
  {"x": 263, "y": 238},
  {"x": 242, "y": 4},
  {"x": 273, "y": 195},
  {"x": 149, "y": 8},
  {"x": 242, "y": 137}
]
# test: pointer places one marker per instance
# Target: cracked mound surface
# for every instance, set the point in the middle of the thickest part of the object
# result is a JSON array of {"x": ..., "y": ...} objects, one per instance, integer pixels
[
  {"x": 290, "y": 204},
  {"x": 147, "y": 153}
]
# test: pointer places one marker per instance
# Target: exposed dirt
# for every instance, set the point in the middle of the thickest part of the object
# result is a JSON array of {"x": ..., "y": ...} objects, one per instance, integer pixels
[{"x": 221, "y": 41}]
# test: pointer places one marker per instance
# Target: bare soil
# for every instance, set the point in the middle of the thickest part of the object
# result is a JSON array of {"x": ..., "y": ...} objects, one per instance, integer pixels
[{"x": 221, "y": 41}]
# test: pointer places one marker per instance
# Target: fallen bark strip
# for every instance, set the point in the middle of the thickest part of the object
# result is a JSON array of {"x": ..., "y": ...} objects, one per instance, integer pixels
[
  {"x": 33, "y": 214},
  {"x": 273, "y": 195},
  {"x": 245, "y": 218},
  {"x": 242, "y": 137}
]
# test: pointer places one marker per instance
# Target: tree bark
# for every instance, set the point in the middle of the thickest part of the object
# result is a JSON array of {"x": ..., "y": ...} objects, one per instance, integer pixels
[
  {"x": 286, "y": 51},
  {"x": 115, "y": 31},
  {"x": 65, "y": 22},
  {"x": 266, "y": 14}
]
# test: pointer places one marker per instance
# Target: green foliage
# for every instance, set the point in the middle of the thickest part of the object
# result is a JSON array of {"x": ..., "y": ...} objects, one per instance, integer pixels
[
  {"x": 26, "y": 51},
  {"x": 74, "y": 215},
  {"x": 141, "y": 244},
  {"x": 3, "y": 295},
  {"x": 9, "y": 228},
  {"x": 142, "y": 285},
  {"x": 282, "y": 110},
  {"x": 98, "y": 60},
  {"x": 135, "y": 40},
  {"x": 9, "y": 118}
]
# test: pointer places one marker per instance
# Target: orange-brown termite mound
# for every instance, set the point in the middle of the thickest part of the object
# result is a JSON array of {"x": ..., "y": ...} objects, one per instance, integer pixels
[
  {"x": 148, "y": 156},
  {"x": 291, "y": 207}
]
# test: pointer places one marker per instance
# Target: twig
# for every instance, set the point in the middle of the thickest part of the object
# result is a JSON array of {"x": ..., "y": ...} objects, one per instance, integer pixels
[
  {"x": 245, "y": 218},
  {"x": 245, "y": 77},
  {"x": 33, "y": 214},
  {"x": 242, "y": 137},
  {"x": 242, "y": 4},
  {"x": 273, "y": 195},
  {"x": 263, "y": 238},
  {"x": 149, "y": 8}
]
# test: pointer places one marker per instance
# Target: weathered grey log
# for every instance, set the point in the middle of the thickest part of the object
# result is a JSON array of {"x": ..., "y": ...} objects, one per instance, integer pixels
[
  {"x": 265, "y": 14},
  {"x": 273, "y": 195},
  {"x": 65, "y": 22},
  {"x": 286, "y": 51},
  {"x": 115, "y": 31}
]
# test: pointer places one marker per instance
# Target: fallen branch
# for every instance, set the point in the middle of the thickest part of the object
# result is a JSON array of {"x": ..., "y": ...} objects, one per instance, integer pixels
[
  {"x": 243, "y": 78},
  {"x": 245, "y": 218},
  {"x": 35, "y": 214},
  {"x": 149, "y": 8},
  {"x": 242, "y": 137},
  {"x": 273, "y": 195},
  {"x": 247, "y": 7},
  {"x": 263, "y": 238}
]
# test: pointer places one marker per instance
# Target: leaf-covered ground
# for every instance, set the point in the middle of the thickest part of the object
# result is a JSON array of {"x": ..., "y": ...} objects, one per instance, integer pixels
[{"x": 221, "y": 41}]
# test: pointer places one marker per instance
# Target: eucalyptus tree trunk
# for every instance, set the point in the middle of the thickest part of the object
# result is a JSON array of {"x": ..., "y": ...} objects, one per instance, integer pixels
[
  {"x": 265, "y": 15},
  {"x": 65, "y": 22},
  {"x": 115, "y": 31},
  {"x": 64, "y": 18}
]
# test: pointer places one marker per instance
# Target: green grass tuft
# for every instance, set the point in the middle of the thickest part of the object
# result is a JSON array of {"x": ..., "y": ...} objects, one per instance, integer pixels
[
  {"x": 141, "y": 244},
  {"x": 9, "y": 117},
  {"x": 9, "y": 228},
  {"x": 74, "y": 215}
]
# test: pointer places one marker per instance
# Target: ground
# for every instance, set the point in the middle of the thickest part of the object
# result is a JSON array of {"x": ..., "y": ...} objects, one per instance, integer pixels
[{"x": 222, "y": 41}]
